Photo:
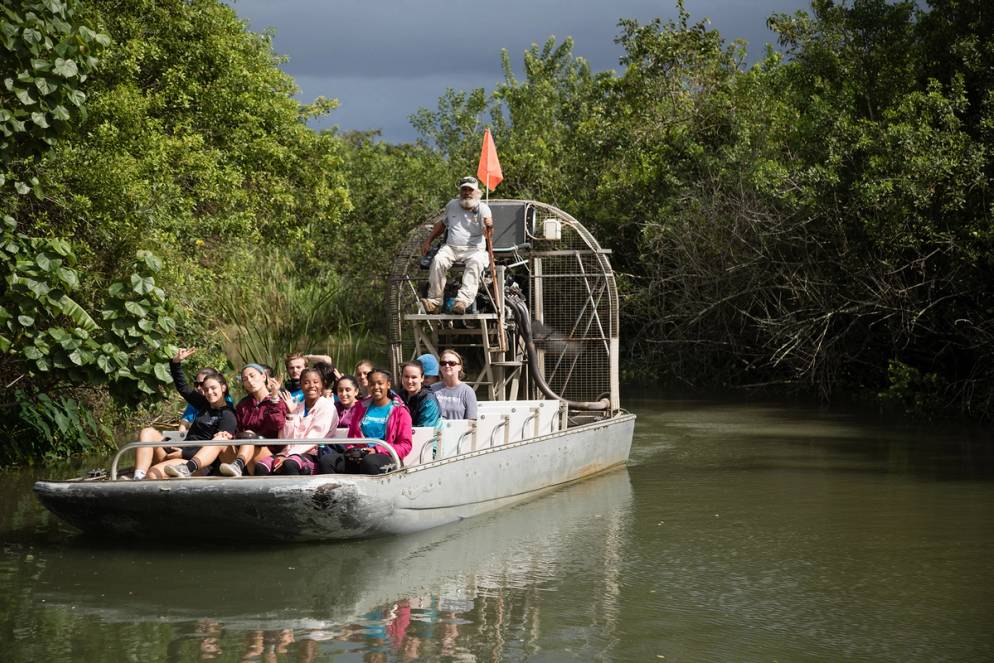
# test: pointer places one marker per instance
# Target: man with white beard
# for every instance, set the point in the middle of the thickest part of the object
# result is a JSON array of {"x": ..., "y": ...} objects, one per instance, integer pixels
[{"x": 465, "y": 219}]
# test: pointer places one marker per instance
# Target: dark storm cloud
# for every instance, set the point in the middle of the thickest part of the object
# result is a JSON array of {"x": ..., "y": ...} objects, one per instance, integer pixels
[
  {"x": 383, "y": 60},
  {"x": 408, "y": 37},
  {"x": 395, "y": 38}
]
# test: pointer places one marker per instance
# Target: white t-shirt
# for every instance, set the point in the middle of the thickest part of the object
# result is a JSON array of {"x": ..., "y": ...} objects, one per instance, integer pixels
[{"x": 465, "y": 226}]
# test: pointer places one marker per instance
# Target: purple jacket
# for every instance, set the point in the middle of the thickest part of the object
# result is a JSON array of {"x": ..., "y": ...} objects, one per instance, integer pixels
[
  {"x": 345, "y": 416},
  {"x": 399, "y": 431}
]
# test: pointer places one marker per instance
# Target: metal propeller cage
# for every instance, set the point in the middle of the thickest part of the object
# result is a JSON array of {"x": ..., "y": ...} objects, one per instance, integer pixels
[{"x": 567, "y": 281}]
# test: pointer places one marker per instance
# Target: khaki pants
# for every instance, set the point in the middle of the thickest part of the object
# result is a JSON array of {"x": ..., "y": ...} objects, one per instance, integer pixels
[{"x": 475, "y": 260}]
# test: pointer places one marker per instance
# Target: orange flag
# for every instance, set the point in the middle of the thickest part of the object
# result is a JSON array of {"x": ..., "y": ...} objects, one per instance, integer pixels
[{"x": 488, "y": 171}]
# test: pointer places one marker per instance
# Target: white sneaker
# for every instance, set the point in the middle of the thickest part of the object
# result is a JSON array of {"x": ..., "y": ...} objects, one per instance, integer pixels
[
  {"x": 230, "y": 470},
  {"x": 178, "y": 471}
]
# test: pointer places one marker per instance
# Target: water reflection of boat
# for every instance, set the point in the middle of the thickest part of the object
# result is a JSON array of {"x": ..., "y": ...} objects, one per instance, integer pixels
[
  {"x": 322, "y": 588},
  {"x": 549, "y": 414}
]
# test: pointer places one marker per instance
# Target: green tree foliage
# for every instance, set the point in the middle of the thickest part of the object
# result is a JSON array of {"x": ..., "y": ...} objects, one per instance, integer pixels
[
  {"x": 548, "y": 125},
  {"x": 46, "y": 58},
  {"x": 50, "y": 343},
  {"x": 203, "y": 151},
  {"x": 192, "y": 147},
  {"x": 819, "y": 221},
  {"x": 51, "y": 339},
  {"x": 692, "y": 146},
  {"x": 894, "y": 160},
  {"x": 393, "y": 188}
]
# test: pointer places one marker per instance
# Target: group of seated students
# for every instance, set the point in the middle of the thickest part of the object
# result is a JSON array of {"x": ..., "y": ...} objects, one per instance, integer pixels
[{"x": 309, "y": 406}]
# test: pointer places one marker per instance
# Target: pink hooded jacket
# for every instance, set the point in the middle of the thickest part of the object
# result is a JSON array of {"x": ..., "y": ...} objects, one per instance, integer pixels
[
  {"x": 319, "y": 424},
  {"x": 399, "y": 430}
]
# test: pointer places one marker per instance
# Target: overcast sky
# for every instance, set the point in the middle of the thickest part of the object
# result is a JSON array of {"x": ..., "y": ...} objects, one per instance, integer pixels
[{"x": 385, "y": 59}]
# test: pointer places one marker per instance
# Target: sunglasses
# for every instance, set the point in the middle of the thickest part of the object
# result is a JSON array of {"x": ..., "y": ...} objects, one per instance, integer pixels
[
  {"x": 448, "y": 363},
  {"x": 199, "y": 383}
]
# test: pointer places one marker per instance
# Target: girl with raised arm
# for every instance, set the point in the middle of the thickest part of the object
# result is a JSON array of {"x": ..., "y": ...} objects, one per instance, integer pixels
[
  {"x": 214, "y": 416},
  {"x": 314, "y": 419}
]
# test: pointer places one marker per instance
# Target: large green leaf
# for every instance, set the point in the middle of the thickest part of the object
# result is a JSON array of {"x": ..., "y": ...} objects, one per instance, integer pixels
[
  {"x": 60, "y": 246},
  {"x": 58, "y": 334},
  {"x": 77, "y": 97},
  {"x": 31, "y": 36},
  {"x": 24, "y": 96},
  {"x": 136, "y": 309},
  {"x": 69, "y": 277},
  {"x": 65, "y": 68},
  {"x": 37, "y": 287},
  {"x": 141, "y": 285},
  {"x": 44, "y": 87},
  {"x": 162, "y": 372},
  {"x": 77, "y": 314}
]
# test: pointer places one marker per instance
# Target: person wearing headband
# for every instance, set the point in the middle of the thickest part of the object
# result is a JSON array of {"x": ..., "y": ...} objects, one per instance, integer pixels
[{"x": 261, "y": 414}]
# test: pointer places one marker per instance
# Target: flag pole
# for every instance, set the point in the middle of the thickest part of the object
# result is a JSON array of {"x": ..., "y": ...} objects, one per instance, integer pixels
[
  {"x": 488, "y": 154},
  {"x": 498, "y": 287}
]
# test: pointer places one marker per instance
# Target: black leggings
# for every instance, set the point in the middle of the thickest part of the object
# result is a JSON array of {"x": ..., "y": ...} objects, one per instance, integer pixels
[
  {"x": 289, "y": 467},
  {"x": 335, "y": 462}
]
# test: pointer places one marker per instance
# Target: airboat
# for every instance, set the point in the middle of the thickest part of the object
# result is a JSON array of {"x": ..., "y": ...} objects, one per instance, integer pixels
[{"x": 541, "y": 352}]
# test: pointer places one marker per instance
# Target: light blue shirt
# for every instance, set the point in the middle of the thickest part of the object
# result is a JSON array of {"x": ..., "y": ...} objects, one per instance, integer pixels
[{"x": 374, "y": 422}]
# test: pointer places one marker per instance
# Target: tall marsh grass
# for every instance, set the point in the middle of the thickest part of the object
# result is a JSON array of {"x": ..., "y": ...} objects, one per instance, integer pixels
[{"x": 264, "y": 321}]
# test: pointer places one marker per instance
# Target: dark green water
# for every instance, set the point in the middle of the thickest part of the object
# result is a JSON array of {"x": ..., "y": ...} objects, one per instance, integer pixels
[{"x": 737, "y": 533}]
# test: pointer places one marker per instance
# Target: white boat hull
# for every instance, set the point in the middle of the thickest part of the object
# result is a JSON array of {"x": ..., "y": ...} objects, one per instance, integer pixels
[{"x": 338, "y": 506}]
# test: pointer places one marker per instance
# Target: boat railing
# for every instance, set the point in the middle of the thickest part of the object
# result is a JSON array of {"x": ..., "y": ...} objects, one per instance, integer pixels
[
  {"x": 469, "y": 433},
  {"x": 505, "y": 425},
  {"x": 138, "y": 444},
  {"x": 421, "y": 454},
  {"x": 531, "y": 417}
]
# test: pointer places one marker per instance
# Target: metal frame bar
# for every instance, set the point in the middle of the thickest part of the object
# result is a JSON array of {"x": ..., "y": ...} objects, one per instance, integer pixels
[
  {"x": 569, "y": 252},
  {"x": 138, "y": 444}
]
